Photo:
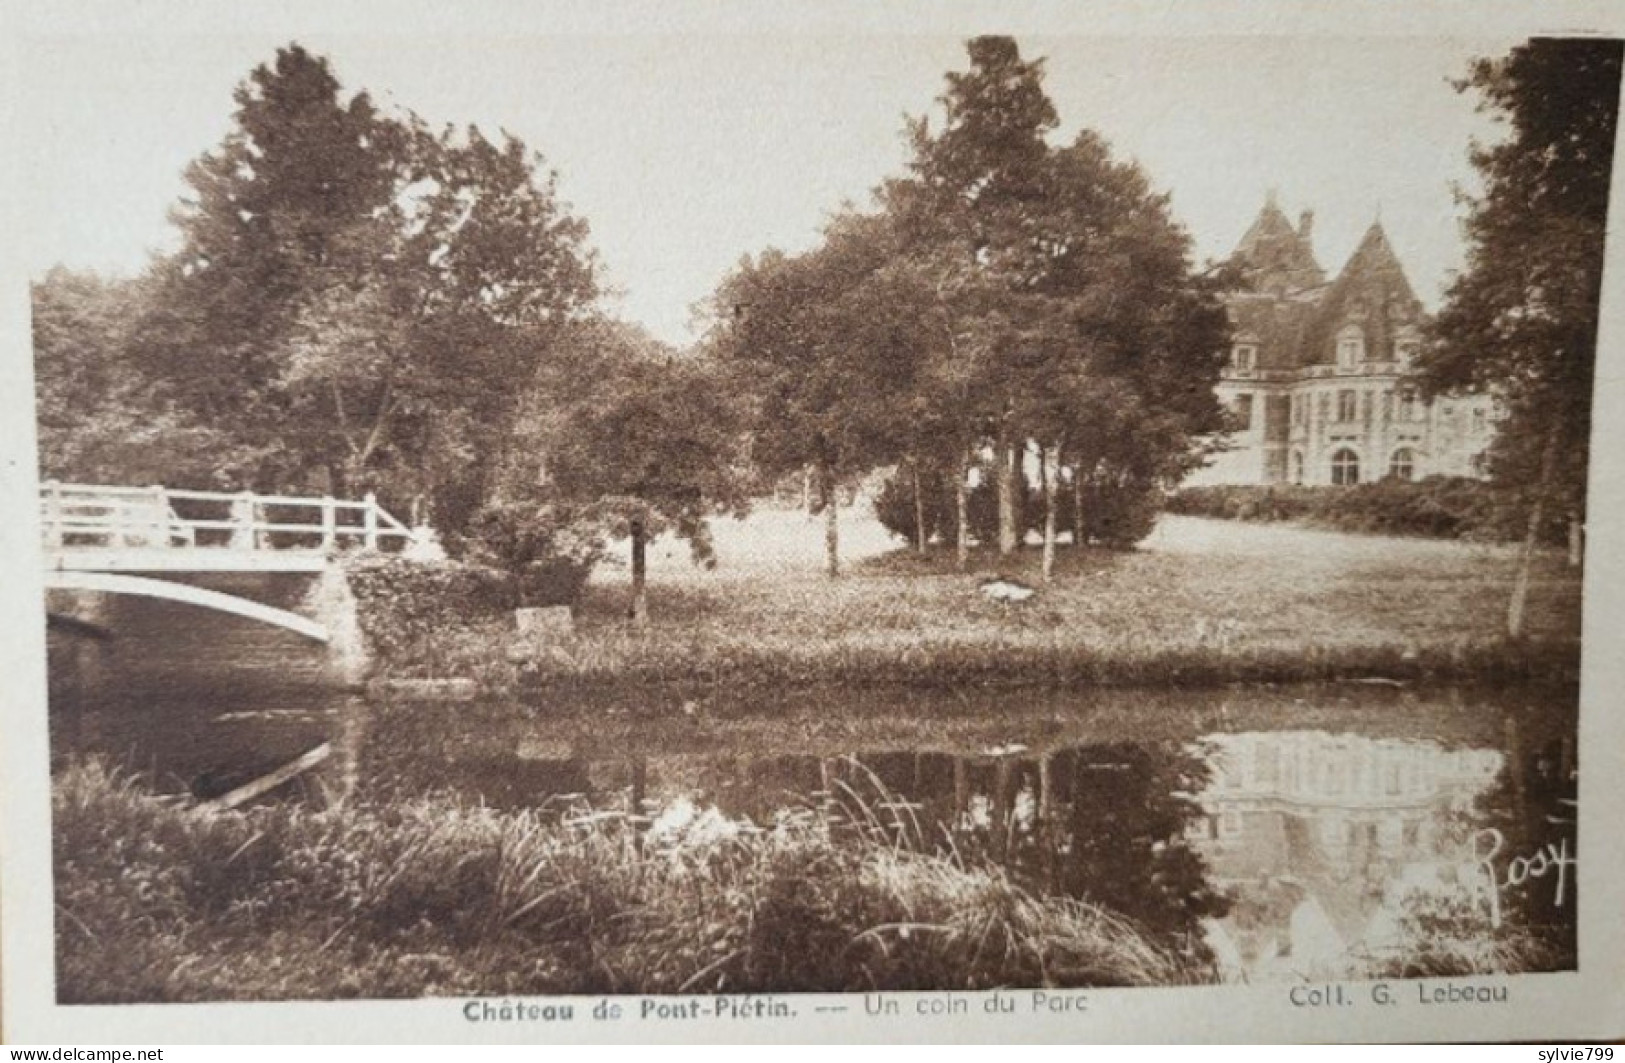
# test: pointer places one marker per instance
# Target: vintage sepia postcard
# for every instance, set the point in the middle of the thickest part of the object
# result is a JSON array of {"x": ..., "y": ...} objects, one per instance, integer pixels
[{"x": 865, "y": 522}]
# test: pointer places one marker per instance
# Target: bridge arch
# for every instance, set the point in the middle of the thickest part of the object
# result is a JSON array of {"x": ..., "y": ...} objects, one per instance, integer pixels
[{"x": 119, "y": 583}]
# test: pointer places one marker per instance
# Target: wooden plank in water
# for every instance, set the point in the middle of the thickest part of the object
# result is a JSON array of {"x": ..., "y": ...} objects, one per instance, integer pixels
[{"x": 266, "y": 783}]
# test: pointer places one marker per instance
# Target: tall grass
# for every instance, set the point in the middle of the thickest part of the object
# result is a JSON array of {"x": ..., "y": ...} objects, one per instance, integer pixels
[{"x": 157, "y": 902}]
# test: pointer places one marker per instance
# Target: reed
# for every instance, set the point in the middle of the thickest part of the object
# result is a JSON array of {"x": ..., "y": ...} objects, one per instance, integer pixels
[{"x": 158, "y": 902}]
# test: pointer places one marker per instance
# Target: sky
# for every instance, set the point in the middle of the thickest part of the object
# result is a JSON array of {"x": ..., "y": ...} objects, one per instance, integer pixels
[{"x": 685, "y": 153}]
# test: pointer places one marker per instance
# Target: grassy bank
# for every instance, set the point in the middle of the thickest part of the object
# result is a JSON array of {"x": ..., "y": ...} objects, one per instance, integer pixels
[
  {"x": 1201, "y": 602},
  {"x": 159, "y": 903}
]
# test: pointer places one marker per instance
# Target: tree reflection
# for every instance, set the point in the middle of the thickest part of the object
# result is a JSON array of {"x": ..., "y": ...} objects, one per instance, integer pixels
[{"x": 1103, "y": 823}]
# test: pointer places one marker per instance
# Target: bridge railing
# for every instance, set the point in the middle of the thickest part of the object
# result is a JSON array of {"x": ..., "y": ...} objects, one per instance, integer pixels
[{"x": 97, "y": 515}]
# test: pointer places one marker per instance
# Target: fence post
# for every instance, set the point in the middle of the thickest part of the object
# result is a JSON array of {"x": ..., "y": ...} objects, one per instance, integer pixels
[
  {"x": 242, "y": 516},
  {"x": 160, "y": 514},
  {"x": 370, "y": 515},
  {"x": 53, "y": 513},
  {"x": 329, "y": 525}
]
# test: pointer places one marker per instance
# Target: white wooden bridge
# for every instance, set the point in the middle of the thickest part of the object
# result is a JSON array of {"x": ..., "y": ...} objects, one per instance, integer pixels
[{"x": 98, "y": 537}]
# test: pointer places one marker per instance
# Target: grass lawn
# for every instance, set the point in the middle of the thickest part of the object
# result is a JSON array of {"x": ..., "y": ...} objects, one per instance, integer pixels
[{"x": 1200, "y": 600}]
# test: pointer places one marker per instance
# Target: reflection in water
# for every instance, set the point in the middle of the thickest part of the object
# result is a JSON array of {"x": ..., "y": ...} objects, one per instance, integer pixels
[
  {"x": 1321, "y": 837},
  {"x": 1281, "y": 833}
]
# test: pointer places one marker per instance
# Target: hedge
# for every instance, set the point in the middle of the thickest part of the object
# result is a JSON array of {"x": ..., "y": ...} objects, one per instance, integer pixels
[{"x": 1441, "y": 507}]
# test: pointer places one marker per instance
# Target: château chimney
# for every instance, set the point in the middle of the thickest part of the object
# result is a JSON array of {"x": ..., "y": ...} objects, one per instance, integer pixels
[{"x": 1306, "y": 225}]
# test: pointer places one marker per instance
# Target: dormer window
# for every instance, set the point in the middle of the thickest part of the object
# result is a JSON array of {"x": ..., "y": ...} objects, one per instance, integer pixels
[
  {"x": 1244, "y": 356},
  {"x": 1350, "y": 347},
  {"x": 1406, "y": 345}
]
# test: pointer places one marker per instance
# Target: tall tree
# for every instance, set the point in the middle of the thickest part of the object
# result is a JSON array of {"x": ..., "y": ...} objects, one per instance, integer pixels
[
  {"x": 357, "y": 294},
  {"x": 1521, "y": 322},
  {"x": 301, "y": 167},
  {"x": 977, "y": 183},
  {"x": 1079, "y": 332}
]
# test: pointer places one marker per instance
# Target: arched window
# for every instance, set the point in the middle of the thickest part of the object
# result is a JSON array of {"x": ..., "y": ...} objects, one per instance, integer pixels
[
  {"x": 1402, "y": 466},
  {"x": 1297, "y": 466},
  {"x": 1245, "y": 356},
  {"x": 1345, "y": 467}
]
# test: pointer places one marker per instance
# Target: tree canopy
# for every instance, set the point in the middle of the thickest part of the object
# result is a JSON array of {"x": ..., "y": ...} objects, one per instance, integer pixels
[
  {"x": 356, "y": 293},
  {"x": 1006, "y": 296},
  {"x": 1520, "y": 323}
]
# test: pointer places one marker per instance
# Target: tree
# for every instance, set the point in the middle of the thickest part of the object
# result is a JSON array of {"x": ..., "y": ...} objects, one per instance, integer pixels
[
  {"x": 975, "y": 185},
  {"x": 634, "y": 439},
  {"x": 403, "y": 356},
  {"x": 356, "y": 294},
  {"x": 824, "y": 347},
  {"x": 1075, "y": 328},
  {"x": 99, "y": 418},
  {"x": 272, "y": 205},
  {"x": 1521, "y": 322}
]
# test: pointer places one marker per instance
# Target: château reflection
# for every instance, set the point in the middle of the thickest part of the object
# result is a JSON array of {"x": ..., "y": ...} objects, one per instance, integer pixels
[{"x": 1321, "y": 838}]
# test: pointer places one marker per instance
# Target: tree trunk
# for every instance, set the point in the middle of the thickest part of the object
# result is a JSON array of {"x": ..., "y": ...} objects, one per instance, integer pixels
[
  {"x": 1047, "y": 477},
  {"x": 832, "y": 531},
  {"x": 1077, "y": 505},
  {"x": 962, "y": 514},
  {"x": 806, "y": 490},
  {"x": 1520, "y": 588},
  {"x": 638, "y": 612},
  {"x": 1005, "y": 473},
  {"x": 921, "y": 533}
]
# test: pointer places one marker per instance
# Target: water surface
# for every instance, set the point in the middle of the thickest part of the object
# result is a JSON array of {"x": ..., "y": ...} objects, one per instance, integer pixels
[{"x": 1286, "y": 832}]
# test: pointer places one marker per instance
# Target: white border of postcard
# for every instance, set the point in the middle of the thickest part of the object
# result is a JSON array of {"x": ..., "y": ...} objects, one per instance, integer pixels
[{"x": 1588, "y": 1004}]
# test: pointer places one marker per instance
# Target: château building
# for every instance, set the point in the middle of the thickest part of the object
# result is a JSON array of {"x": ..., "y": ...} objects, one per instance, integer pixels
[{"x": 1315, "y": 377}]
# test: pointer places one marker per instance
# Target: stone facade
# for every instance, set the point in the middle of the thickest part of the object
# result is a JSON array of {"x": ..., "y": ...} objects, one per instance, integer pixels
[{"x": 1315, "y": 377}]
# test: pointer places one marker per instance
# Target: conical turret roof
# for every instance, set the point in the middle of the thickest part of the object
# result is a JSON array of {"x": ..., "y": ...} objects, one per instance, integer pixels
[
  {"x": 1372, "y": 293},
  {"x": 1275, "y": 257}
]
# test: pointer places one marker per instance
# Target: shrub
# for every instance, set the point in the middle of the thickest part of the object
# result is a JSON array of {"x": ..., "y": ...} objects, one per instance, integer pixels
[
  {"x": 401, "y": 604},
  {"x": 894, "y": 504},
  {"x": 1119, "y": 509},
  {"x": 549, "y": 549}
]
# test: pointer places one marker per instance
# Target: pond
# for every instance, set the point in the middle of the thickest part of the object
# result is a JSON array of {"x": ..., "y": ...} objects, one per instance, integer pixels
[{"x": 1283, "y": 832}]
